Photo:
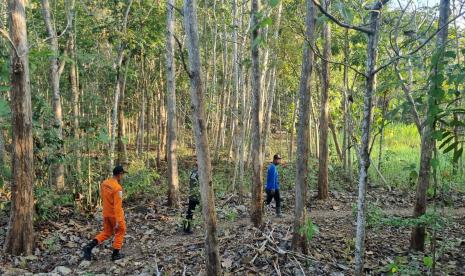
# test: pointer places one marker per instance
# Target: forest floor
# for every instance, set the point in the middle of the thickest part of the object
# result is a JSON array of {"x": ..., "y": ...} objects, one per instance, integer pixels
[{"x": 155, "y": 241}]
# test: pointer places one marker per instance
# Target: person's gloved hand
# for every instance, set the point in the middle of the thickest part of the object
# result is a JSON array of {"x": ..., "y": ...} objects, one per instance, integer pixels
[{"x": 272, "y": 192}]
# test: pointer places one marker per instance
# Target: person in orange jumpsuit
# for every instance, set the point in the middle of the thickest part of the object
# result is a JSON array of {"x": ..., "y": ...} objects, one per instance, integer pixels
[{"x": 111, "y": 193}]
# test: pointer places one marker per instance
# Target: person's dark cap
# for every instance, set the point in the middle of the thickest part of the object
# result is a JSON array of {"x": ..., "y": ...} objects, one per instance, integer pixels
[
  {"x": 277, "y": 156},
  {"x": 119, "y": 170}
]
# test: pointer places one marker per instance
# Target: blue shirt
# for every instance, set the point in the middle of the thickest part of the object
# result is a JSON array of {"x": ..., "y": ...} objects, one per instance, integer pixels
[{"x": 272, "y": 181}]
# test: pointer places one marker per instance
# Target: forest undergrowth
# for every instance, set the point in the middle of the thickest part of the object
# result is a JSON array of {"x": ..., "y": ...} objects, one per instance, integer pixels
[{"x": 156, "y": 244}]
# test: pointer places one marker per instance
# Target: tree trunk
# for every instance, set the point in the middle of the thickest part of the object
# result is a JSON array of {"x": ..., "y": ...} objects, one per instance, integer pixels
[
  {"x": 57, "y": 169},
  {"x": 20, "y": 236},
  {"x": 417, "y": 241},
  {"x": 257, "y": 179},
  {"x": 291, "y": 135},
  {"x": 333, "y": 129},
  {"x": 173, "y": 182},
  {"x": 122, "y": 150},
  {"x": 323, "y": 189},
  {"x": 345, "y": 107},
  {"x": 372, "y": 53},
  {"x": 272, "y": 82},
  {"x": 114, "y": 114},
  {"x": 201, "y": 139},
  {"x": 299, "y": 240},
  {"x": 74, "y": 81}
]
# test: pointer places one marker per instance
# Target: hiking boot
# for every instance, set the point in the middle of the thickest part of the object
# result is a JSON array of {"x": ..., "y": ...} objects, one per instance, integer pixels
[
  {"x": 117, "y": 255},
  {"x": 88, "y": 250},
  {"x": 278, "y": 212},
  {"x": 187, "y": 227}
]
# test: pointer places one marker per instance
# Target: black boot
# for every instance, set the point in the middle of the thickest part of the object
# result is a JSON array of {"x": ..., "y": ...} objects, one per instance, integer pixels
[
  {"x": 88, "y": 250},
  {"x": 187, "y": 226},
  {"x": 117, "y": 255},
  {"x": 278, "y": 212}
]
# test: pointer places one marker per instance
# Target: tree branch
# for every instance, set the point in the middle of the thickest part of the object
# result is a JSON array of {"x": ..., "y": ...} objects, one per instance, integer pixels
[
  {"x": 419, "y": 47},
  {"x": 317, "y": 53},
  {"x": 7, "y": 36},
  {"x": 342, "y": 24},
  {"x": 184, "y": 65}
]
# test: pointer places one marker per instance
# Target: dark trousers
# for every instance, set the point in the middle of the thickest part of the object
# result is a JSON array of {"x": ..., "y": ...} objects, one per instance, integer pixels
[
  {"x": 275, "y": 195},
  {"x": 193, "y": 202}
]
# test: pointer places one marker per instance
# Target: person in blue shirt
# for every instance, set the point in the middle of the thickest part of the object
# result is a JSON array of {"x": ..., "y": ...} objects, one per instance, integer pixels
[{"x": 272, "y": 184}]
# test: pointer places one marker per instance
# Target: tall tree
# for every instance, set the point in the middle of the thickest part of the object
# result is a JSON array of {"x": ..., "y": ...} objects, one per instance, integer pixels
[
  {"x": 372, "y": 54},
  {"x": 57, "y": 170},
  {"x": 417, "y": 241},
  {"x": 257, "y": 162},
  {"x": 20, "y": 236},
  {"x": 118, "y": 63},
  {"x": 299, "y": 240},
  {"x": 173, "y": 183},
  {"x": 201, "y": 139},
  {"x": 74, "y": 83},
  {"x": 323, "y": 192}
]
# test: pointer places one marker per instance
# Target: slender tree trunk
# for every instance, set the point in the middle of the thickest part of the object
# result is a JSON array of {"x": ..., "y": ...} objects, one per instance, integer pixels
[
  {"x": 20, "y": 236},
  {"x": 173, "y": 182},
  {"x": 381, "y": 135},
  {"x": 372, "y": 53},
  {"x": 333, "y": 129},
  {"x": 323, "y": 189},
  {"x": 58, "y": 169},
  {"x": 417, "y": 241},
  {"x": 235, "y": 97},
  {"x": 272, "y": 82},
  {"x": 74, "y": 81},
  {"x": 345, "y": 107},
  {"x": 122, "y": 150},
  {"x": 291, "y": 136},
  {"x": 299, "y": 240},
  {"x": 201, "y": 139},
  {"x": 114, "y": 113},
  {"x": 257, "y": 179}
]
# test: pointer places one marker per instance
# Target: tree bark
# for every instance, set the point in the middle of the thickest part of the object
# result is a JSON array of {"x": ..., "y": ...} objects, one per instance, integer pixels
[
  {"x": 57, "y": 169},
  {"x": 323, "y": 189},
  {"x": 122, "y": 150},
  {"x": 20, "y": 236},
  {"x": 114, "y": 114},
  {"x": 74, "y": 82},
  {"x": 201, "y": 139},
  {"x": 417, "y": 241},
  {"x": 372, "y": 53},
  {"x": 345, "y": 106},
  {"x": 257, "y": 179},
  {"x": 299, "y": 240},
  {"x": 272, "y": 82},
  {"x": 173, "y": 182}
]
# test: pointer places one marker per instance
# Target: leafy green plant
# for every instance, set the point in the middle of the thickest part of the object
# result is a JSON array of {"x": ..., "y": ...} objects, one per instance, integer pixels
[
  {"x": 309, "y": 229},
  {"x": 374, "y": 215},
  {"x": 140, "y": 180}
]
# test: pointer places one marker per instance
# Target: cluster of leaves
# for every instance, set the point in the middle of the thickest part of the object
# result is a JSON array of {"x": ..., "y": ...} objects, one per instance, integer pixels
[{"x": 140, "y": 180}]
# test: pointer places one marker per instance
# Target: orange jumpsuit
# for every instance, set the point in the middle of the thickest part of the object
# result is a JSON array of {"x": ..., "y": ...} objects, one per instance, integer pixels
[{"x": 112, "y": 198}]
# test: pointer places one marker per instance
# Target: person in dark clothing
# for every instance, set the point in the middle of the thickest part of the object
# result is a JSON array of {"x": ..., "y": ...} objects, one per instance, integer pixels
[
  {"x": 194, "y": 199},
  {"x": 272, "y": 184}
]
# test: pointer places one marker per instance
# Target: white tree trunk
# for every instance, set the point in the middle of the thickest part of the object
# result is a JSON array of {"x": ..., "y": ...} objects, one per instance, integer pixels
[
  {"x": 57, "y": 170},
  {"x": 372, "y": 53}
]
